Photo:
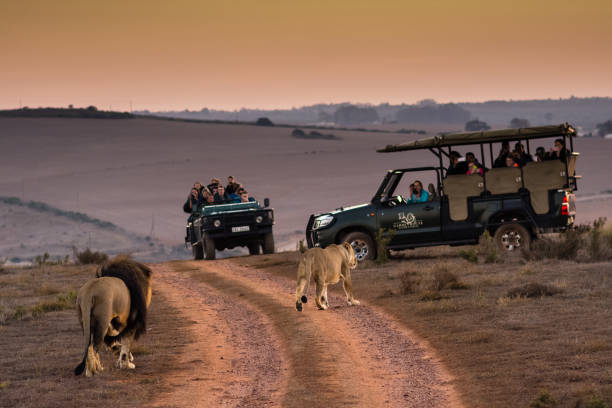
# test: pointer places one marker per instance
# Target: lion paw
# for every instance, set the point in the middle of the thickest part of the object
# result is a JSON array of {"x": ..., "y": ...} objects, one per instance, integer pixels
[{"x": 353, "y": 302}]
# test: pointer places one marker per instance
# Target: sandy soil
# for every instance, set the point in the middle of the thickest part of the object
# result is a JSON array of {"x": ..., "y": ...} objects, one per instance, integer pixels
[
  {"x": 137, "y": 173},
  {"x": 252, "y": 348}
]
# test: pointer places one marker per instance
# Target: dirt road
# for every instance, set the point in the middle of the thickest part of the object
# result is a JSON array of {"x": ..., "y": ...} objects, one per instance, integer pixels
[{"x": 253, "y": 349}]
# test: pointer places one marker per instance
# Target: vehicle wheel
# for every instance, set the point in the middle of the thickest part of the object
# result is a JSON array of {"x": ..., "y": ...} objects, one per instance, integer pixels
[
  {"x": 362, "y": 244},
  {"x": 198, "y": 251},
  {"x": 209, "y": 247},
  {"x": 268, "y": 243},
  {"x": 512, "y": 237},
  {"x": 253, "y": 248}
]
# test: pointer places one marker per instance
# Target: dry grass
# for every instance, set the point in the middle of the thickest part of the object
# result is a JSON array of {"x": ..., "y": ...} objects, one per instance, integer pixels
[
  {"x": 503, "y": 351},
  {"x": 89, "y": 257}
]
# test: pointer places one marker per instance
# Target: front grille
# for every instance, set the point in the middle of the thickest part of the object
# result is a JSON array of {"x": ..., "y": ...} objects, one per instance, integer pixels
[{"x": 240, "y": 219}]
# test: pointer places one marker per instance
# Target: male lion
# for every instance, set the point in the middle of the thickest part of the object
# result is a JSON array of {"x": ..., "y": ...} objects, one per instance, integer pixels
[
  {"x": 112, "y": 309},
  {"x": 327, "y": 266}
]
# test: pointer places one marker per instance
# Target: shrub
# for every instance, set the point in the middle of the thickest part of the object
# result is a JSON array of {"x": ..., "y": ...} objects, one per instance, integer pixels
[
  {"x": 469, "y": 255},
  {"x": 532, "y": 290},
  {"x": 409, "y": 282},
  {"x": 544, "y": 400},
  {"x": 487, "y": 248},
  {"x": 382, "y": 240},
  {"x": 87, "y": 257},
  {"x": 565, "y": 247}
]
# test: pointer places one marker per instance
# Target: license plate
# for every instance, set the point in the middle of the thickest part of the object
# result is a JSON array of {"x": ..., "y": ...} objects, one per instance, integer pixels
[{"x": 241, "y": 229}]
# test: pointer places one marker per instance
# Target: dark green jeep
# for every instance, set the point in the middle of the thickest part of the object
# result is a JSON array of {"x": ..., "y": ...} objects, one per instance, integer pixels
[
  {"x": 514, "y": 204},
  {"x": 225, "y": 226}
]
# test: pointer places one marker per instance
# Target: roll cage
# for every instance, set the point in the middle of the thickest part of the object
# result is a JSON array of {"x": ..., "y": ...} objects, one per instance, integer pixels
[{"x": 441, "y": 146}]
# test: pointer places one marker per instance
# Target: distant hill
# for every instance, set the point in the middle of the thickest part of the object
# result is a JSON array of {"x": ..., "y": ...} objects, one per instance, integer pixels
[
  {"x": 582, "y": 112},
  {"x": 89, "y": 112}
]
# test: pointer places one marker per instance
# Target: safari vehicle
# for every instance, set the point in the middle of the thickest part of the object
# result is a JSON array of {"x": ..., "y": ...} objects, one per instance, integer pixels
[
  {"x": 514, "y": 204},
  {"x": 226, "y": 226}
]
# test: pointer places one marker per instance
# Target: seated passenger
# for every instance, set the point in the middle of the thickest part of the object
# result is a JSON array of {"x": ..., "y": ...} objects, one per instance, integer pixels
[
  {"x": 232, "y": 185},
  {"x": 213, "y": 183},
  {"x": 193, "y": 201},
  {"x": 221, "y": 196},
  {"x": 417, "y": 194},
  {"x": 244, "y": 196},
  {"x": 510, "y": 162},
  {"x": 500, "y": 161},
  {"x": 473, "y": 166},
  {"x": 457, "y": 166},
  {"x": 540, "y": 154},
  {"x": 521, "y": 155},
  {"x": 558, "y": 151},
  {"x": 207, "y": 197}
]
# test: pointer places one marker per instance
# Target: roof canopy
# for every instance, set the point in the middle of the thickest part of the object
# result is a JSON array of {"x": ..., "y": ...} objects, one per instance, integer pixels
[{"x": 489, "y": 136}]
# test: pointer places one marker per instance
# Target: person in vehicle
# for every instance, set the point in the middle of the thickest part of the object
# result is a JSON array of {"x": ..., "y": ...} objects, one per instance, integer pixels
[
  {"x": 500, "y": 161},
  {"x": 510, "y": 162},
  {"x": 244, "y": 196},
  {"x": 207, "y": 197},
  {"x": 232, "y": 185},
  {"x": 193, "y": 201},
  {"x": 214, "y": 182},
  {"x": 417, "y": 194},
  {"x": 558, "y": 151},
  {"x": 522, "y": 156},
  {"x": 221, "y": 196},
  {"x": 472, "y": 164},
  {"x": 458, "y": 165},
  {"x": 540, "y": 154}
]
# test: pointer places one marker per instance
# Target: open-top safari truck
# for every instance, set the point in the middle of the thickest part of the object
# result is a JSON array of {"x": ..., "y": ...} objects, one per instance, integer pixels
[
  {"x": 514, "y": 204},
  {"x": 225, "y": 226}
]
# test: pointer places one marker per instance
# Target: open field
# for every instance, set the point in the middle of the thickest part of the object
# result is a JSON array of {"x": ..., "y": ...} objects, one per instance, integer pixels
[
  {"x": 136, "y": 173},
  {"x": 226, "y": 332}
]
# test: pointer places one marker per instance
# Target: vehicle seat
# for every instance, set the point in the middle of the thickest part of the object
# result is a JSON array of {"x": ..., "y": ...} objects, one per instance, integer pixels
[
  {"x": 540, "y": 177},
  {"x": 504, "y": 180},
  {"x": 458, "y": 188}
]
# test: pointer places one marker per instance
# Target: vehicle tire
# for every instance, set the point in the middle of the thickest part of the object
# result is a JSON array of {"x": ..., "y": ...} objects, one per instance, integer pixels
[
  {"x": 253, "y": 248},
  {"x": 362, "y": 244},
  {"x": 198, "y": 251},
  {"x": 512, "y": 237},
  {"x": 268, "y": 243},
  {"x": 209, "y": 247}
]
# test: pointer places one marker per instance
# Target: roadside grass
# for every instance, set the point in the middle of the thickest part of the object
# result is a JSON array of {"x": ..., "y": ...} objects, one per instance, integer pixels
[
  {"x": 513, "y": 332},
  {"x": 41, "y": 342}
]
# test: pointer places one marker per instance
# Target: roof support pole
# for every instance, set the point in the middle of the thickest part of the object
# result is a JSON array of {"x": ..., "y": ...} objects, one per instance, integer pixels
[{"x": 484, "y": 174}]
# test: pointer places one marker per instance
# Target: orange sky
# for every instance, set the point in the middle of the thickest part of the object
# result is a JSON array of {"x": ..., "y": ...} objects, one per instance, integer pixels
[{"x": 236, "y": 53}]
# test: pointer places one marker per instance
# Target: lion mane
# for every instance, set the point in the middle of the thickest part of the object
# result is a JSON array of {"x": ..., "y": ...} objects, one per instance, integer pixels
[
  {"x": 112, "y": 310},
  {"x": 135, "y": 276},
  {"x": 327, "y": 267}
]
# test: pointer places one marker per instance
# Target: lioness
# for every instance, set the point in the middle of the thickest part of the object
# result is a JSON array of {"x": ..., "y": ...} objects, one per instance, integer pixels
[
  {"x": 112, "y": 309},
  {"x": 327, "y": 266}
]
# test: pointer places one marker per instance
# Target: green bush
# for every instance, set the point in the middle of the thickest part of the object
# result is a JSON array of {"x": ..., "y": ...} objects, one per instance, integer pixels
[
  {"x": 89, "y": 257},
  {"x": 487, "y": 248},
  {"x": 469, "y": 255}
]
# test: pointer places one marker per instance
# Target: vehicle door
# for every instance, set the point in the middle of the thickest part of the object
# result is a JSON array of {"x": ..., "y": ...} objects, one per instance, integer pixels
[{"x": 413, "y": 223}]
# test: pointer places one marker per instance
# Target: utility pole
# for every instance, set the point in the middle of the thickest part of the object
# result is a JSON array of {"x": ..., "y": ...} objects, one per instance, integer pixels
[{"x": 152, "y": 225}]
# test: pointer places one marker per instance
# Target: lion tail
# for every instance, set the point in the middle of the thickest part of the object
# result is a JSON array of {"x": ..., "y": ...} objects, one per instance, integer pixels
[{"x": 86, "y": 309}]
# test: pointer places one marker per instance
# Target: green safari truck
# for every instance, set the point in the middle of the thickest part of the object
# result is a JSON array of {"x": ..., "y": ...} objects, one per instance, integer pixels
[{"x": 514, "y": 204}]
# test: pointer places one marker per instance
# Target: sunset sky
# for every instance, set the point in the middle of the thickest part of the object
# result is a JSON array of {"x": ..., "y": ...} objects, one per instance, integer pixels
[{"x": 228, "y": 54}]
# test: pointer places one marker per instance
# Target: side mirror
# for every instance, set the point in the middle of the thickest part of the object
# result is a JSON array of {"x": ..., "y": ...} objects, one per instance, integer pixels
[{"x": 266, "y": 202}]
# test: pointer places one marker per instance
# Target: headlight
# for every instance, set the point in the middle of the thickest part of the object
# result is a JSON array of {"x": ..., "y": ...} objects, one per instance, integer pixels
[
  {"x": 322, "y": 221},
  {"x": 258, "y": 219},
  {"x": 217, "y": 223}
]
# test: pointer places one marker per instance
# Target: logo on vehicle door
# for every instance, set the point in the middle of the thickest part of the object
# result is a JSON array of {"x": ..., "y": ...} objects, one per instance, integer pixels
[{"x": 407, "y": 221}]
